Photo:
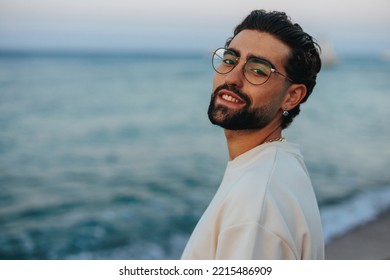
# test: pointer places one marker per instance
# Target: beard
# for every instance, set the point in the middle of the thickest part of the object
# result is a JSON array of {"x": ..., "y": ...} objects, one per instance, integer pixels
[{"x": 246, "y": 118}]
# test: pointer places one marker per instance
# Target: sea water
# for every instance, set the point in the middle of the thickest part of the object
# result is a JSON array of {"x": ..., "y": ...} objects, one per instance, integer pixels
[{"x": 112, "y": 156}]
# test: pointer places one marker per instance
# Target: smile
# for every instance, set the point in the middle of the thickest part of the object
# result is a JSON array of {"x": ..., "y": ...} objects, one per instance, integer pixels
[{"x": 228, "y": 97}]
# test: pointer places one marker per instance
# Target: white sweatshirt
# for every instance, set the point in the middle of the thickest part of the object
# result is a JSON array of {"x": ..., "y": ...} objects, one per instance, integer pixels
[{"x": 265, "y": 208}]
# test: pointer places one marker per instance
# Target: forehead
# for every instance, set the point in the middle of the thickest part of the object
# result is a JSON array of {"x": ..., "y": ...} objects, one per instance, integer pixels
[{"x": 255, "y": 43}]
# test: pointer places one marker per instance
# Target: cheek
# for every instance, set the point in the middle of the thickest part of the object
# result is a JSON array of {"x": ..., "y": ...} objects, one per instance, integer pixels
[
  {"x": 268, "y": 93},
  {"x": 261, "y": 98}
]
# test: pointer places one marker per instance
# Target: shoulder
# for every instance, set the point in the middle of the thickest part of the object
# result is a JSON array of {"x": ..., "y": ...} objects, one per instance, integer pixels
[
  {"x": 274, "y": 180},
  {"x": 253, "y": 182}
]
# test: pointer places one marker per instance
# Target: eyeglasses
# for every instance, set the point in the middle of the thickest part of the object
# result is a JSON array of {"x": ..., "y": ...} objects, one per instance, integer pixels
[{"x": 256, "y": 70}]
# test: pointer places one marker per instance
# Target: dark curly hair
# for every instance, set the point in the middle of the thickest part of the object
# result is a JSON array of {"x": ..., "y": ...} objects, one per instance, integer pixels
[{"x": 304, "y": 63}]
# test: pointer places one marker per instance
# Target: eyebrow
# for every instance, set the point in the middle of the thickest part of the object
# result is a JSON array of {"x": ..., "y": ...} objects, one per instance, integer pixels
[{"x": 249, "y": 56}]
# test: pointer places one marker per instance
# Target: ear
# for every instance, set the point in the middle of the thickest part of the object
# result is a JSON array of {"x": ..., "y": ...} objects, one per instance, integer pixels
[{"x": 294, "y": 95}]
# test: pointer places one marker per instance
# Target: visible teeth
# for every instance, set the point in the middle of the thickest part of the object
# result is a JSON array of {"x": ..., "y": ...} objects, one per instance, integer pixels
[{"x": 230, "y": 98}]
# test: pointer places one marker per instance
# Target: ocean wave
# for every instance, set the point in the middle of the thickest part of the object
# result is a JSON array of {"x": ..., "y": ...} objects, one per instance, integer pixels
[
  {"x": 337, "y": 219},
  {"x": 140, "y": 251}
]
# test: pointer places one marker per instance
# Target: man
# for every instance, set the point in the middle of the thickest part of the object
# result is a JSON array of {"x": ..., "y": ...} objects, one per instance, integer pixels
[{"x": 265, "y": 207}]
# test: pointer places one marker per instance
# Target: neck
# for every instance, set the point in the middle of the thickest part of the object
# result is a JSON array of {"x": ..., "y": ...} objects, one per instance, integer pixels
[{"x": 241, "y": 141}]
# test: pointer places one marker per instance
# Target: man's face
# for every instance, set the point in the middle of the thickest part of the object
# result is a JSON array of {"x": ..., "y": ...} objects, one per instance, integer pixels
[{"x": 237, "y": 104}]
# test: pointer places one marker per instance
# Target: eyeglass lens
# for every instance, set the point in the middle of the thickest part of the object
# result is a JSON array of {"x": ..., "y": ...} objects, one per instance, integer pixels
[{"x": 256, "y": 71}]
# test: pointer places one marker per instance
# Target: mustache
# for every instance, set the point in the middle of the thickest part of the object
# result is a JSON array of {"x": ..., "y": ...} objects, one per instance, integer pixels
[{"x": 234, "y": 89}]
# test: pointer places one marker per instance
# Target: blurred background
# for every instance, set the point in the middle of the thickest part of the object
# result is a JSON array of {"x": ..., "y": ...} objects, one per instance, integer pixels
[{"x": 106, "y": 151}]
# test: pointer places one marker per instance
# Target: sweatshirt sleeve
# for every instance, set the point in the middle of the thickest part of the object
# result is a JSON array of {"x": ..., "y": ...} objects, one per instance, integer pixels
[{"x": 252, "y": 241}]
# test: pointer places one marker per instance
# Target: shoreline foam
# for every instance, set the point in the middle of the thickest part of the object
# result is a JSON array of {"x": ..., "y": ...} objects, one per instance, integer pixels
[{"x": 362, "y": 209}]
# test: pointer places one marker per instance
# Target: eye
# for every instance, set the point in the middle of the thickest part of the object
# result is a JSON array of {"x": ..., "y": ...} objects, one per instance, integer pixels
[
  {"x": 229, "y": 61},
  {"x": 258, "y": 67},
  {"x": 258, "y": 71}
]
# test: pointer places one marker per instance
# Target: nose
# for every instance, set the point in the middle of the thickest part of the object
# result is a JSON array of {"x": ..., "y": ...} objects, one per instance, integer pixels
[{"x": 236, "y": 76}]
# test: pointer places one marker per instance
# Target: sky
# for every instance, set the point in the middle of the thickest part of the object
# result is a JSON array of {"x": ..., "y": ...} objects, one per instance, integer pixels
[{"x": 125, "y": 25}]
